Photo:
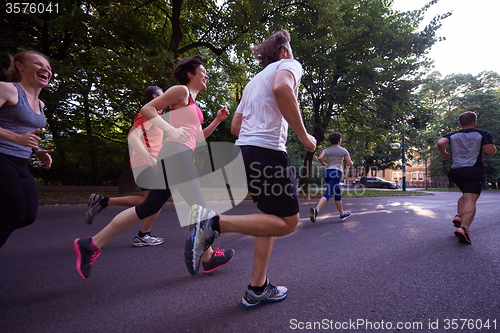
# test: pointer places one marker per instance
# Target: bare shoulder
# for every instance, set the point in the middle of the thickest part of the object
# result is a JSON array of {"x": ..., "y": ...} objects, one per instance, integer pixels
[
  {"x": 8, "y": 94},
  {"x": 179, "y": 90},
  {"x": 7, "y": 89},
  {"x": 177, "y": 95}
]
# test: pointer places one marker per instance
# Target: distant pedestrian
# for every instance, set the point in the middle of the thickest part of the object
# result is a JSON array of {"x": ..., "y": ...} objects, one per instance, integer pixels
[
  {"x": 146, "y": 139},
  {"x": 21, "y": 118},
  {"x": 175, "y": 157},
  {"x": 467, "y": 172},
  {"x": 269, "y": 103},
  {"x": 333, "y": 175}
]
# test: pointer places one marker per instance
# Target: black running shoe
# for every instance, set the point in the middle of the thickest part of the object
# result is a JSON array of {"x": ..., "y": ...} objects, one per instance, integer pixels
[
  {"x": 93, "y": 207},
  {"x": 313, "y": 214},
  {"x": 345, "y": 216},
  {"x": 85, "y": 256},
  {"x": 219, "y": 259}
]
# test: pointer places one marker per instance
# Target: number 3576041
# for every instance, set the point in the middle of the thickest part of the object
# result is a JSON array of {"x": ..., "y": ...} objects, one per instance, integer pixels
[{"x": 31, "y": 8}]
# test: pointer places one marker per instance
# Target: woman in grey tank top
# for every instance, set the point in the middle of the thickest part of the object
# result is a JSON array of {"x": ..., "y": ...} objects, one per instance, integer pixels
[{"x": 21, "y": 118}]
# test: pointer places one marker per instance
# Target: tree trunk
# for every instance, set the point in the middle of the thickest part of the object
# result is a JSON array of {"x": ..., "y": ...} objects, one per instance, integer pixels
[
  {"x": 305, "y": 174},
  {"x": 92, "y": 154},
  {"x": 127, "y": 181},
  {"x": 319, "y": 134}
]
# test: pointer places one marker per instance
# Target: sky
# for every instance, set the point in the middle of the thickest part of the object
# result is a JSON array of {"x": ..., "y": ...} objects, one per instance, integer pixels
[{"x": 472, "y": 34}]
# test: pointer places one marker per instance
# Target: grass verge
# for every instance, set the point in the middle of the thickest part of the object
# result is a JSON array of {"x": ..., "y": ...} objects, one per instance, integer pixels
[
  {"x": 81, "y": 197},
  {"x": 74, "y": 197}
]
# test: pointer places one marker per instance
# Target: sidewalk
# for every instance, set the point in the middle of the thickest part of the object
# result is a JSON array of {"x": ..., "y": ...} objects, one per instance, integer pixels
[{"x": 78, "y": 188}]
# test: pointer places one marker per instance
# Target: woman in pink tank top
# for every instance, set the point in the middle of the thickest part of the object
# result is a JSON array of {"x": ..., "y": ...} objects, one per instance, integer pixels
[{"x": 176, "y": 169}]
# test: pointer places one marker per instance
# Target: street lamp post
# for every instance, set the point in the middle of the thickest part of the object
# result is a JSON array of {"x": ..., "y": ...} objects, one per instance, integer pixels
[
  {"x": 403, "y": 159},
  {"x": 426, "y": 173}
]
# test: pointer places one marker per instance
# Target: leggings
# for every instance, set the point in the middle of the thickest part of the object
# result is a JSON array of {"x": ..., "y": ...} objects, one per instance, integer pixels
[
  {"x": 176, "y": 171},
  {"x": 333, "y": 177},
  {"x": 18, "y": 197}
]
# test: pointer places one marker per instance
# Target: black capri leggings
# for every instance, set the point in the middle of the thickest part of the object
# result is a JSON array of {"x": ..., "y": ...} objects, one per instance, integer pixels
[
  {"x": 176, "y": 171},
  {"x": 18, "y": 197}
]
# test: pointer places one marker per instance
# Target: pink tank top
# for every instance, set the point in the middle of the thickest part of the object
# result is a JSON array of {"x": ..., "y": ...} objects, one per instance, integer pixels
[
  {"x": 152, "y": 140},
  {"x": 188, "y": 116}
]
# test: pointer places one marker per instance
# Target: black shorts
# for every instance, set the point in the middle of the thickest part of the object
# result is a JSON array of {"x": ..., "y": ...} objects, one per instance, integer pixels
[
  {"x": 468, "y": 179},
  {"x": 271, "y": 181}
]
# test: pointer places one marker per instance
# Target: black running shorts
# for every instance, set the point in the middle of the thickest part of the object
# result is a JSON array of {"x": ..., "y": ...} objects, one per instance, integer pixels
[
  {"x": 271, "y": 181},
  {"x": 468, "y": 179}
]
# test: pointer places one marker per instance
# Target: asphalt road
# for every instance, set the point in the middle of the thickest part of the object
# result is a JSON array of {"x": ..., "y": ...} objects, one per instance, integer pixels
[{"x": 394, "y": 266}]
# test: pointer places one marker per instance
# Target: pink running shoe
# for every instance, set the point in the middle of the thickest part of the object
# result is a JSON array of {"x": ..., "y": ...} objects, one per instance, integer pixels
[{"x": 86, "y": 255}]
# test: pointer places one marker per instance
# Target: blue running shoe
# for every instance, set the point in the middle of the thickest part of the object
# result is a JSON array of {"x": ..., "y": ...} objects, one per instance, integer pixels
[
  {"x": 201, "y": 236},
  {"x": 345, "y": 216},
  {"x": 313, "y": 214}
]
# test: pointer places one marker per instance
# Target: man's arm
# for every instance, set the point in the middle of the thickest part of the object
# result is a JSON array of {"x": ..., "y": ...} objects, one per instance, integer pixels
[
  {"x": 236, "y": 124},
  {"x": 489, "y": 150},
  {"x": 441, "y": 146},
  {"x": 349, "y": 161},
  {"x": 283, "y": 85},
  {"x": 320, "y": 159}
]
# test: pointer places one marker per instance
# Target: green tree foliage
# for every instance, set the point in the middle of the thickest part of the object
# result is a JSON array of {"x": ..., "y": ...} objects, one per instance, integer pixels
[
  {"x": 457, "y": 93},
  {"x": 104, "y": 53},
  {"x": 362, "y": 64},
  {"x": 361, "y": 60}
]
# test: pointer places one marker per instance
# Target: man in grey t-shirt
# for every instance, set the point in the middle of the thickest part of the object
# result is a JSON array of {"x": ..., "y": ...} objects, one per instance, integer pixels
[
  {"x": 467, "y": 147},
  {"x": 333, "y": 175}
]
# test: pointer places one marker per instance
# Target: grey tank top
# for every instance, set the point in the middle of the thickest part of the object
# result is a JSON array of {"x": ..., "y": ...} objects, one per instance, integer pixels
[{"x": 19, "y": 118}]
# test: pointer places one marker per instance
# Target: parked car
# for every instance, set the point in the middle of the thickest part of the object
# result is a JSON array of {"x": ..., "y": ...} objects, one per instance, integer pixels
[{"x": 377, "y": 182}]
